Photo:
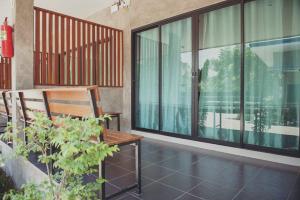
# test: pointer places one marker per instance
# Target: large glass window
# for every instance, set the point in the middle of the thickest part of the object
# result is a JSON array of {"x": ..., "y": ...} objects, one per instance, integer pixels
[
  {"x": 170, "y": 98},
  {"x": 177, "y": 76},
  {"x": 146, "y": 79},
  {"x": 219, "y": 77},
  {"x": 272, "y": 73}
]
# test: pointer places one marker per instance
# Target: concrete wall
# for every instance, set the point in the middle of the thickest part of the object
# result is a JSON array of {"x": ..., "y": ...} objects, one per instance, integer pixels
[
  {"x": 20, "y": 169},
  {"x": 140, "y": 13},
  {"x": 5, "y": 11}
]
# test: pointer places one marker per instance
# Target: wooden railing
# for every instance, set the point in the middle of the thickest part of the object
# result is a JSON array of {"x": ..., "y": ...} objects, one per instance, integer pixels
[
  {"x": 5, "y": 73},
  {"x": 72, "y": 51}
]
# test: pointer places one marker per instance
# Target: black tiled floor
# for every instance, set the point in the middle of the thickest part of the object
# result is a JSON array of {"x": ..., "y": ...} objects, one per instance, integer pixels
[
  {"x": 177, "y": 172},
  {"x": 188, "y": 197},
  {"x": 212, "y": 191},
  {"x": 159, "y": 191},
  {"x": 181, "y": 181}
]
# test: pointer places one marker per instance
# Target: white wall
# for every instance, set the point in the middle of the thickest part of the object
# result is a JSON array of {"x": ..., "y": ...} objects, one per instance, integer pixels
[{"x": 5, "y": 11}]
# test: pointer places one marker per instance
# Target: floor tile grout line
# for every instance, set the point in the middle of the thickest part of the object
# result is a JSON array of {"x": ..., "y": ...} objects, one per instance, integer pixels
[
  {"x": 188, "y": 192},
  {"x": 291, "y": 190},
  {"x": 244, "y": 186}
]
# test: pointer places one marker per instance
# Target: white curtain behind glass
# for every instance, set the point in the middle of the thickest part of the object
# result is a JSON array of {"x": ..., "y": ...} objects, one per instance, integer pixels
[
  {"x": 176, "y": 77},
  {"x": 147, "y": 80}
]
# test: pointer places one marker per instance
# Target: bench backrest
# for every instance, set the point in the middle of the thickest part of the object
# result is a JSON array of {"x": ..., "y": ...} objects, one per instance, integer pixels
[
  {"x": 76, "y": 102},
  {"x": 5, "y": 104}
]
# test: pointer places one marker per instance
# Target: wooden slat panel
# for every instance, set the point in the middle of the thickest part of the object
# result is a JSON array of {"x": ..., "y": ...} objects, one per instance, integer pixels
[
  {"x": 62, "y": 51},
  {"x": 93, "y": 81},
  {"x": 98, "y": 39},
  {"x": 119, "y": 57},
  {"x": 122, "y": 64},
  {"x": 50, "y": 51},
  {"x": 37, "y": 47},
  {"x": 84, "y": 54},
  {"x": 110, "y": 57},
  {"x": 115, "y": 58},
  {"x": 79, "y": 67},
  {"x": 62, "y": 67},
  {"x": 73, "y": 52},
  {"x": 2, "y": 71},
  {"x": 102, "y": 55},
  {"x": 88, "y": 54},
  {"x": 44, "y": 51},
  {"x": 70, "y": 109},
  {"x": 56, "y": 67},
  {"x": 68, "y": 51},
  {"x": 106, "y": 58},
  {"x": 67, "y": 95}
]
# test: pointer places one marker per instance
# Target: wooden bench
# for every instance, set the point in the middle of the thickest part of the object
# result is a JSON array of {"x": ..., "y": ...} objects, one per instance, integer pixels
[
  {"x": 5, "y": 107},
  {"x": 77, "y": 102}
]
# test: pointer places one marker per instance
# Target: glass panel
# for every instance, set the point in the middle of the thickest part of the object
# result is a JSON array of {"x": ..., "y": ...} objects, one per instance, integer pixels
[
  {"x": 176, "y": 77},
  {"x": 146, "y": 85},
  {"x": 272, "y": 73},
  {"x": 219, "y": 76}
]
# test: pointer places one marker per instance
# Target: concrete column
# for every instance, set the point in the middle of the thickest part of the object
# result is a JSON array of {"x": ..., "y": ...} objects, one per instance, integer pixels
[
  {"x": 22, "y": 63},
  {"x": 22, "y": 78}
]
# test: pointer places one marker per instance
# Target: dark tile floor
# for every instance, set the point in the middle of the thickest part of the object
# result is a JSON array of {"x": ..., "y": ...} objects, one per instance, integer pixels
[{"x": 179, "y": 172}]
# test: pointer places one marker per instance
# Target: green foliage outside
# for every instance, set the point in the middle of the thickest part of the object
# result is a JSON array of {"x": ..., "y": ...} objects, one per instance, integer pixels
[{"x": 74, "y": 155}]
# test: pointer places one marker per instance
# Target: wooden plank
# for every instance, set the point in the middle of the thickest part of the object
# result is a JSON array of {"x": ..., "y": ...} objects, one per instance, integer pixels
[
  {"x": 50, "y": 51},
  {"x": 117, "y": 137},
  {"x": 1, "y": 73},
  {"x": 56, "y": 67},
  {"x": 34, "y": 105},
  {"x": 68, "y": 51},
  {"x": 98, "y": 39},
  {"x": 110, "y": 57},
  {"x": 102, "y": 55},
  {"x": 37, "y": 47},
  {"x": 73, "y": 52},
  {"x": 88, "y": 54},
  {"x": 74, "y": 95},
  {"x": 93, "y": 78},
  {"x": 70, "y": 109},
  {"x": 84, "y": 54},
  {"x": 33, "y": 94},
  {"x": 44, "y": 50},
  {"x": 9, "y": 74},
  {"x": 79, "y": 71},
  {"x": 119, "y": 57},
  {"x": 62, "y": 51},
  {"x": 122, "y": 64},
  {"x": 106, "y": 57},
  {"x": 115, "y": 58}
]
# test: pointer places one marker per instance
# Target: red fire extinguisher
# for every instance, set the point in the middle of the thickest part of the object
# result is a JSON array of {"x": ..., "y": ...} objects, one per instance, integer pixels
[{"x": 7, "y": 50}]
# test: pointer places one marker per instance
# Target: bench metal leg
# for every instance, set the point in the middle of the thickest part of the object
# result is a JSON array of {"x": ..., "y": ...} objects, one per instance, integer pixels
[
  {"x": 107, "y": 123},
  {"x": 118, "y": 121},
  {"x": 138, "y": 168},
  {"x": 102, "y": 194}
]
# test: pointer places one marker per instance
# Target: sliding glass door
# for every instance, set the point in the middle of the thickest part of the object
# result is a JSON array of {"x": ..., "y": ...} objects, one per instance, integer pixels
[
  {"x": 229, "y": 75},
  {"x": 272, "y": 73},
  {"x": 146, "y": 79},
  {"x": 176, "y": 41},
  {"x": 219, "y": 75}
]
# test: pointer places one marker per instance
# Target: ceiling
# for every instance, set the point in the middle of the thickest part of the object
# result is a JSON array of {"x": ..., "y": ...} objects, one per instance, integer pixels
[{"x": 76, "y": 8}]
